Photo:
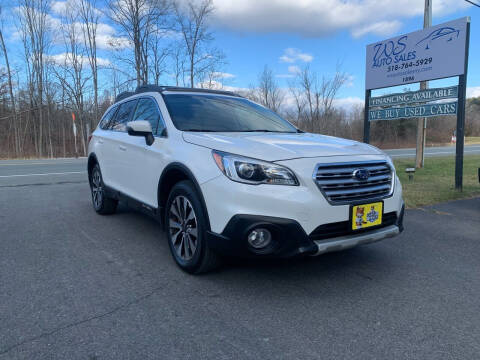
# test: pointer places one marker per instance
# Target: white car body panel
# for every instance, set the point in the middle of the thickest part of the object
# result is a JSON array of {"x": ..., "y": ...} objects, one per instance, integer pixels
[
  {"x": 305, "y": 203},
  {"x": 274, "y": 146},
  {"x": 133, "y": 168}
]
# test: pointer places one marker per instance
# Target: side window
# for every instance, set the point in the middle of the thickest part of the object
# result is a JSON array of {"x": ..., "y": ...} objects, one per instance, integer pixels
[
  {"x": 107, "y": 117},
  {"x": 147, "y": 110},
  {"x": 123, "y": 116}
]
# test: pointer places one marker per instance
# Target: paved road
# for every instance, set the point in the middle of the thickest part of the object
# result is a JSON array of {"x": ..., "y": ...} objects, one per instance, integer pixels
[
  {"x": 44, "y": 171},
  {"x": 433, "y": 151},
  {"x": 76, "y": 285}
]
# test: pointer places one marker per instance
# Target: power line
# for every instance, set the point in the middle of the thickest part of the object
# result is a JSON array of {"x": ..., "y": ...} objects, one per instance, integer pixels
[{"x": 471, "y": 2}]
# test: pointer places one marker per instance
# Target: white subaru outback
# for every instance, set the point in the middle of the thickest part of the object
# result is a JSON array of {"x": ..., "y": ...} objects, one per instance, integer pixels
[{"x": 226, "y": 176}]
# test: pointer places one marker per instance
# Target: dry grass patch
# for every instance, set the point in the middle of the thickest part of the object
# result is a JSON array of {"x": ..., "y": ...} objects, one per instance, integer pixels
[{"x": 436, "y": 181}]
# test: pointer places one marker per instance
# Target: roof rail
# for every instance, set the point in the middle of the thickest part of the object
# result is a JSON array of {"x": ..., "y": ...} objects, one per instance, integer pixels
[
  {"x": 161, "y": 88},
  {"x": 123, "y": 95}
]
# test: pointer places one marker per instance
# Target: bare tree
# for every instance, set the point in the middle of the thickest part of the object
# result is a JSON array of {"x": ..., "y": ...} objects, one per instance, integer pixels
[
  {"x": 314, "y": 98},
  {"x": 34, "y": 28},
  {"x": 159, "y": 54},
  {"x": 267, "y": 92},
  {"x": 10, "y": 88},
  {"x": 71, "y": 75},
  {"x": 90, "y": 17},
  {"x": 177, "y": 57},
  {"x": 139, "y": 20},
  {"x": 192, "y": 20}
]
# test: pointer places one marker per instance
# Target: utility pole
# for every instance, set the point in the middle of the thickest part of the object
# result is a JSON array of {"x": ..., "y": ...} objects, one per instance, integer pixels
[{"x": 422, "y": 122}]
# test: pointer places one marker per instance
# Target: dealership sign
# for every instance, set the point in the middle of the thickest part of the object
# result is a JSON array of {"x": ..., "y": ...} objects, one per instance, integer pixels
[
  {"x": 393, "y": 106},
  {"x": 406, "y": 112},
  {"x": 415, "y": 96},
  {"x": 436, "y": 52},
  {"x": 433, "y": 53}
]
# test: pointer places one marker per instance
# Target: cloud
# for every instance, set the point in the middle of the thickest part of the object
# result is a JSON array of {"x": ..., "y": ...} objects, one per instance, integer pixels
[
  {"x": 473, "y": 91},
  {"x": 59, "y": 7},
  {"x": 222, "y": 75},
  {"x": 106, "y": 34},
  {"x": 381, "y": 28},
  {"x": 63, "y": 7},
  {"x": 292, "y": 71},
  {"x": 319, "y": 18},
  {"x": 348, "y": 103},
  {"x": 66, "y": 59},
  {"x": 292, "y": 55},
  {"x": 217, "y": 85},
  {"x": 16, "y": 32},
  {"x": 106, "y": 38},
  {"x": 349, "y": 81}
]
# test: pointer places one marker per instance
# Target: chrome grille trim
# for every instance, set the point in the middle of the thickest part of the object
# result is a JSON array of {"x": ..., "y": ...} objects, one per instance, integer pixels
[{"x": 340, "y": 187}]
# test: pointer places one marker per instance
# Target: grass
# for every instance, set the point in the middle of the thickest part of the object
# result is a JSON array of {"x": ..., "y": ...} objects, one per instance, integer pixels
[
  {"x": 436, "y": 181},
  {"x": 472, "y": 140}
]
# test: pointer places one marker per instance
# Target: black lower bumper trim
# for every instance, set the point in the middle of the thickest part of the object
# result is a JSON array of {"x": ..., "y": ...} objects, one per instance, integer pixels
[{"x": 289, "y": 238}]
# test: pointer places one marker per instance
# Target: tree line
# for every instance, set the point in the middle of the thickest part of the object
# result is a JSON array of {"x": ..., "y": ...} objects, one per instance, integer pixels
[
  {"x": 310, "y": 103},
  {"x": 156, "y": 41},
  {"x": 168, "y": 42}
]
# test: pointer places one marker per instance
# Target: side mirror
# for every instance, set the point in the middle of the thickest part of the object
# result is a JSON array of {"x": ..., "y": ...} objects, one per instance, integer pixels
[{"x": 141, "y": 128}]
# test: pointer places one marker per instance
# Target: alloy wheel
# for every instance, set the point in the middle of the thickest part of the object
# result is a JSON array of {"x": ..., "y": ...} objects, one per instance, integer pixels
[
  {"x": 183, "y": 227},
  {"x": 97, "y": 189}
]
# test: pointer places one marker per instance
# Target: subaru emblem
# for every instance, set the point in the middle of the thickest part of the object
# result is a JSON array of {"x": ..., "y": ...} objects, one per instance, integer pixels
[{"x": 361, "y": 174}]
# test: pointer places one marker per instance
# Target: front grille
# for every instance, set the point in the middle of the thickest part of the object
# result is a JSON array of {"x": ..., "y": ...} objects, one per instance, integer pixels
[
  {"x": 344, "y": 228},
  {"x": 339, "y": 185}
]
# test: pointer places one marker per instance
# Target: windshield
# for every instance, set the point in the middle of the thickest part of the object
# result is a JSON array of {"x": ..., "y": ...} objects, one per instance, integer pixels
[{"x": 213, "y": 113}]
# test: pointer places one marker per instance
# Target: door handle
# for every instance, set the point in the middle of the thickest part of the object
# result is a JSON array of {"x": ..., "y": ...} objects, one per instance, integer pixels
[
  {"x": 123, "y": 148},
  {"x": 100, "y": 141}
]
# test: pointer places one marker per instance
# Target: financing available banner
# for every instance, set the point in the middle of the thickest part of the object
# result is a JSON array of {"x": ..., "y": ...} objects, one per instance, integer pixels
[{"x": 419, "y": 96}]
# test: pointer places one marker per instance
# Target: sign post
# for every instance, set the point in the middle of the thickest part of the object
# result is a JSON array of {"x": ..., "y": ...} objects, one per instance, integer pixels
[
  {"x": 366, "y": 122},
  {"x": 422, "y": 123},
  {"x": 436, "y": 52},
  {"x": 462, "y": 95}
]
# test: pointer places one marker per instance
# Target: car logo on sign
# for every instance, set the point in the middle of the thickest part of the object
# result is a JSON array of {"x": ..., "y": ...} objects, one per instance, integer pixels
[{"x": 361, "y": 174}]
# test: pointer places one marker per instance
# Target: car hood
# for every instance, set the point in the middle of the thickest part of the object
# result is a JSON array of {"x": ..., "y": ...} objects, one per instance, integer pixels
[{"x": 280, "y": 146}]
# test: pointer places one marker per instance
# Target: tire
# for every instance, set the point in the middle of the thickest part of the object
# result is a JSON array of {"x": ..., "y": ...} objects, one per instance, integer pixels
[
  {"x": 102, "y": 204},
  {"x": 186, "y": 228}
]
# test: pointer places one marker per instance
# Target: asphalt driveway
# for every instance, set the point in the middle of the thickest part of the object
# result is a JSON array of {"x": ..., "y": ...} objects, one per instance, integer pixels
[{"x": 76, "y": 285}]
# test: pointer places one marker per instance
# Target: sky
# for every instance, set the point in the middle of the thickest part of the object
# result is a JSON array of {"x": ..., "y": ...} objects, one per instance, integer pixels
[{"x": 287, "y": 35}]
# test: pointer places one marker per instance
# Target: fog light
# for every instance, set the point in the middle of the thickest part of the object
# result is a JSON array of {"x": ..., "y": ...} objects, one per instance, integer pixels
[{"x": 259, "y": 238}]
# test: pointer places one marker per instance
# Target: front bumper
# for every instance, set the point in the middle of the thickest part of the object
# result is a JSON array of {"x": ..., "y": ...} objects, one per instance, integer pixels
[
  {"x": 289, "y": 238},
  {"x": 305, "y": 203},
  {"x": 346, "y": 242}
]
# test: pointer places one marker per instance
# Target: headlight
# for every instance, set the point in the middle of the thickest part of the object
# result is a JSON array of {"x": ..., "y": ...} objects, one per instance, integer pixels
[
  {"x": 252, "y": 171},
  {"x": 394, "y": 173}
]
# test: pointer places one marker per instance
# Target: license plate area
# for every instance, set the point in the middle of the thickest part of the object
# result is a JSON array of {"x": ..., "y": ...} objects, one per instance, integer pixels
[{"x": 366, "y": 215}]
